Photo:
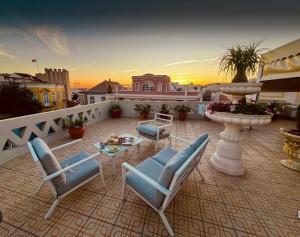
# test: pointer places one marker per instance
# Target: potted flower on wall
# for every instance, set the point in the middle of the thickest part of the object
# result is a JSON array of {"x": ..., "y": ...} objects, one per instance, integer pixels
[
  {"x": 76, "y": 127},
  {"x": 144, "y": 110},
  {"x": 182, "y": 111},
  {"x": 116, "y": 111},
  {"x": 164, "y": 109}
]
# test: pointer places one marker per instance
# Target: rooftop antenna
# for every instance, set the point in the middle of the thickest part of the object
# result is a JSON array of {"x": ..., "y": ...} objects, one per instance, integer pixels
[{"x": 34, "y": 60}]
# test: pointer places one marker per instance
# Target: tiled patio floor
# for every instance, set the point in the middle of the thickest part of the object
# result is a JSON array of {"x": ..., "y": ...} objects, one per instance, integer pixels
[{"x": 264, "y": 202}]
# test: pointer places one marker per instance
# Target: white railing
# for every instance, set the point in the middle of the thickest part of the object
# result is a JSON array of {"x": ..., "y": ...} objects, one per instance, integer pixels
[{"x": 16, "y": 132}]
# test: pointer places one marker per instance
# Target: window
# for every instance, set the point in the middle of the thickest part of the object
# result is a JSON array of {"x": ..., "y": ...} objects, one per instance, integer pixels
[
  {"x": 159, "y": 86},
  {"x": 53, "y": 97},
  {"x": 92, "y": 99},
  {"x": 34, "y": 96},
  {"x": 46, "y": 99},
  {"x": 148, "y": 86},
  {"x": 137, "y": 86}
]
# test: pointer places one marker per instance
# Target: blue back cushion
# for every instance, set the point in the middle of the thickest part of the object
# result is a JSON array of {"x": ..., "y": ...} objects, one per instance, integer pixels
[
  {"x": 173, "y": 165},
  {"x": 48, "y": 161},
  {"x": 199, "y": 140},
  {"x": 178, "y": 160}
]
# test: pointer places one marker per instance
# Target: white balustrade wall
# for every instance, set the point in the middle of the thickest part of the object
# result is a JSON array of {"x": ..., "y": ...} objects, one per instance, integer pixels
[
  {"x": 16, "y": 132},
  {"x": 128, "y": 107}
]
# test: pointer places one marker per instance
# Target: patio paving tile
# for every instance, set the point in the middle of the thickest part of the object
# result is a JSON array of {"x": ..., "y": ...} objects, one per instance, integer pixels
[{"x": 263, "y": 202}]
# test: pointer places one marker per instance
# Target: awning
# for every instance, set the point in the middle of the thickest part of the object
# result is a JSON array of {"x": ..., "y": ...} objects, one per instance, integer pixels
[
  {"x": 282, "y": 62},
  {"x": 282, "y": 85}
]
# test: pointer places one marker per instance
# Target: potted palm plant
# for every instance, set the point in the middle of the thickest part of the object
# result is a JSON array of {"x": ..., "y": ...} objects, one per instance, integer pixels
[
  {"x": 182, "y": 111},
  {"x": 76, "y": 127},
  {"x": 144, "y": 110},
  {"x": 116, "y": 111},
  {"x": 241, "y": 60}
]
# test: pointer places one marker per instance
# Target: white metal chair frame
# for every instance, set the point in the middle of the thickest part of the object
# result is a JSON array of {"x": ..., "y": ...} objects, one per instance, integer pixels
[
  {"x": 47, "y": 178},
  {"x": 161, "y": 123},
  {"x": 180, "y": 175}
]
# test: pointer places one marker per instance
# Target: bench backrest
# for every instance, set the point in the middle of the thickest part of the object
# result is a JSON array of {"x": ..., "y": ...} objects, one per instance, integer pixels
[{"x": 184, "y": 171}]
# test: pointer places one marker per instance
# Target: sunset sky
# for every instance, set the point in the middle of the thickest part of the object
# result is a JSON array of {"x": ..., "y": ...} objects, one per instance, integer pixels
[{"x": 97, "y": 40}]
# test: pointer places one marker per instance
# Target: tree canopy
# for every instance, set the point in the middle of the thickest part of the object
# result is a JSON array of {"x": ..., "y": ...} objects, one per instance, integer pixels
[{"x": 17, "y": 100}]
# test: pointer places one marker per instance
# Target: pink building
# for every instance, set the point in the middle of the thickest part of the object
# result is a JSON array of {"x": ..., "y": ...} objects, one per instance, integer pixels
[
  {"x": 151, "y": 83},
  {"x": 156, "y": 87}
]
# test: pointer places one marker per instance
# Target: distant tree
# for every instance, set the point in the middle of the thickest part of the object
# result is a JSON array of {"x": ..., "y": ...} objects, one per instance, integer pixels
[
  {"x": 109, "y": 87},
  {"x": 75, "y": 97},
  {"x": 17, "y": 100}
]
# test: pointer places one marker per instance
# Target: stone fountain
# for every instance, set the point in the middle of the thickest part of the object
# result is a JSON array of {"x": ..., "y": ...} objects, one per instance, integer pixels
[{"x": 228, "y": 155}]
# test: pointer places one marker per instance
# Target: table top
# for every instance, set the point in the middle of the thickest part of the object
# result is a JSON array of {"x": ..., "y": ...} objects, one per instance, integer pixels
[{"x": 136, "y": 141}]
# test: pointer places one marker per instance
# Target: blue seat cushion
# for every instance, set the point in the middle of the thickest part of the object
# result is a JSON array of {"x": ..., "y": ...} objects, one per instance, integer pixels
[
  {"x": 152, "y": 169},
  {"x": 149, "y": 129},
  {"x": 79, "y": 173},
  {"x": 165, "y": 155},
  {"x": 161, "y": 135},
  {"x": 48, "y": 161}
]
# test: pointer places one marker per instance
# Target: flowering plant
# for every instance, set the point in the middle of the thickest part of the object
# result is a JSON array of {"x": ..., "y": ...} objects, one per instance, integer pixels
[
  {"x": 240, "y": 108},
  {"x": 183, "y": 108}
]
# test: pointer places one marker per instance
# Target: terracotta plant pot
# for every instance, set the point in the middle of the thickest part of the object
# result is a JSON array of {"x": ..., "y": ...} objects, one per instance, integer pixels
[
  {"x": 144, "y": 115},
  {"x": 76, "y": 133},
  {"x": 182, "y": 116},
  {"x": 116, "y": 113}
]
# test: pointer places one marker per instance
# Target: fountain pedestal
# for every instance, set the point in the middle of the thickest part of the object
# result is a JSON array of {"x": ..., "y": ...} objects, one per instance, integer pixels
[{"x": 228, "y": 155}]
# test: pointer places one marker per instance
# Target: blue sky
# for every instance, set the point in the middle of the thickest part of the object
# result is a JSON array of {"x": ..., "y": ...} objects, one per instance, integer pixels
[{"x": 97, "y": 40}]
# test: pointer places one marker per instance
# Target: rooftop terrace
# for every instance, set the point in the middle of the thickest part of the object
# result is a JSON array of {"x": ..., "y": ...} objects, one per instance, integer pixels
[{"x": 263, "y": 202}]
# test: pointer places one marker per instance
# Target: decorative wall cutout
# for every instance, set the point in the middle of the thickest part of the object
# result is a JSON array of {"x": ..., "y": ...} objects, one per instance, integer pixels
[
  {"x": 51, "y": 130},
  {"x": 19, "y": 131},
  {"x": 41, "y": 125},
  {"x": 8, "y": 145},
  {"x": 32, "y": 136}
]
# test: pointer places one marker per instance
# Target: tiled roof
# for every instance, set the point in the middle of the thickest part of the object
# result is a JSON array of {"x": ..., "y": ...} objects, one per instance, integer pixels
[{"x": 102, "y": 87}]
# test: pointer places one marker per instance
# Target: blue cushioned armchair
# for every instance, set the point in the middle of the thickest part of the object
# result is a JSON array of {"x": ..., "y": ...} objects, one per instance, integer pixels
[
  {"x": 66, "y": 176},
  {"x": 157, "y": 179},
  {"x": 157, "y": 129}
]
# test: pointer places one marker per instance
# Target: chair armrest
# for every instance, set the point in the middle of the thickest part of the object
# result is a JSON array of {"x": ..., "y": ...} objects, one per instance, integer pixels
[
  {"x": 164, "y": 126},
  {"x": 51, "y": 176},
  {"x": 65, "y": 145},
  {"x": 180, "y": 139},
  {"x": 146, "y": 178},
  {"x": 146, "y": 121}
]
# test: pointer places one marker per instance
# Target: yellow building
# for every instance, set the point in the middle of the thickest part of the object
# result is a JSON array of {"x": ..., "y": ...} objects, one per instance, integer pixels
[{"x": 51, "y": 96}]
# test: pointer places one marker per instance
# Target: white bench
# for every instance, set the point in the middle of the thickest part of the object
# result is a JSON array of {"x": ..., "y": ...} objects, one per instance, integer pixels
[{"x": 157, "y": 179}]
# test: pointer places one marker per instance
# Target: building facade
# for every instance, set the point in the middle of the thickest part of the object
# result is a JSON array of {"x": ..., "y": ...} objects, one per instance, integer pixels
[
  {"x": 100, "y": 92},
  {"x": 51, "y": 96},
  {"x": 151, "y": 83},
  {"x": 57, "y": 76}
]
